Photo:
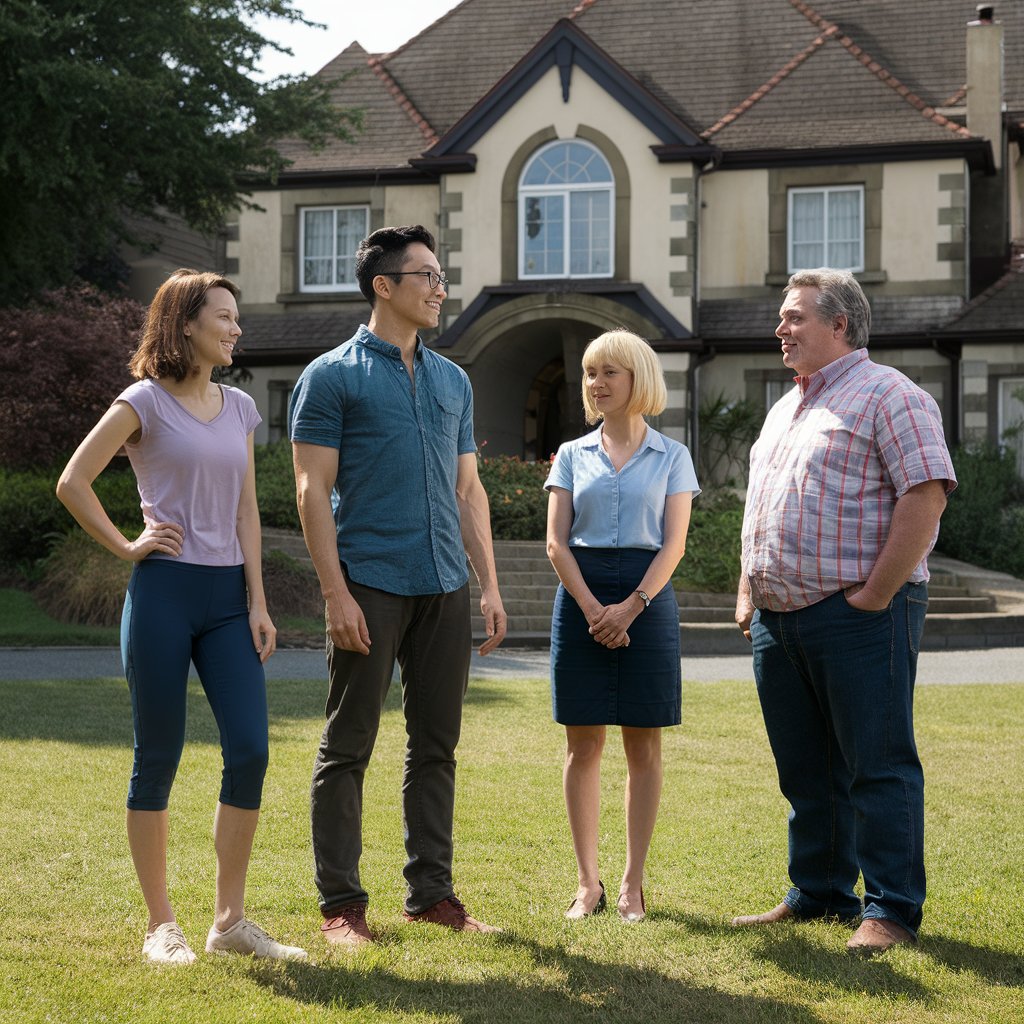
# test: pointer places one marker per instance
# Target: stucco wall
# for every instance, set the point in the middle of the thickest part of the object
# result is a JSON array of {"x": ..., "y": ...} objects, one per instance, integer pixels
[
  {"x": 650, "y": 225},
  {"x": 734, "y": 231},
  {"x": 258, "y": 250},
  {"x": 920, "y": 242}
]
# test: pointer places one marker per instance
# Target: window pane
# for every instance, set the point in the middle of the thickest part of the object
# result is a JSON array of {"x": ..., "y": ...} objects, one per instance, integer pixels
[
  {"x": 590, "y": 233},
  {"x": 1011, "y": 417},
  {"x": 808, "y": 217},
  {"x": 543, "y": 236},
  {"x": 568, "y": 162},
  {"x": 318, "y": 226},
  {"x": 844, "y": 229},
  {"x": 351, "y": 231},
  {"x": 809, "y": 255}
]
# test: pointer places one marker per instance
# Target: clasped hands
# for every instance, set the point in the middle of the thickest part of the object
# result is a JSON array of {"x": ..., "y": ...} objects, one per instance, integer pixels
[{"x": 609, "y": 624}]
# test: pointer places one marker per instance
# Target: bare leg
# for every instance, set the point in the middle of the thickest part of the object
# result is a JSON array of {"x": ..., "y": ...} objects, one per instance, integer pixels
[
  {"x": 147, "y": 840},
  {"x": 582, "y": 784},
  {"x": 233, "y": 831},
  {"x": 643, "y": 793}
]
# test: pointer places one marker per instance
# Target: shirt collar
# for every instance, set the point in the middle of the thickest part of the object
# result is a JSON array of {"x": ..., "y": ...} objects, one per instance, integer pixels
[
  {"x": 830, "y": 373},
  {"x": 652, "y": 440},
  {"x": 364, "y": 336}
]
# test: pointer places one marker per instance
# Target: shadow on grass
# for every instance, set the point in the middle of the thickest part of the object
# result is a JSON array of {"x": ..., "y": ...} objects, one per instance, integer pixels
[
  {"x": 98, "y": 711},
  {"x": 789, "y": 948},
  {"x": 585, "y": 990},
  {"x": 996, "y": 965}
]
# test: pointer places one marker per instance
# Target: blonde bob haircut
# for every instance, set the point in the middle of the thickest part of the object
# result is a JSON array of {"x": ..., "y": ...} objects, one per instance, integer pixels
[{"x": 628, "y": 350}]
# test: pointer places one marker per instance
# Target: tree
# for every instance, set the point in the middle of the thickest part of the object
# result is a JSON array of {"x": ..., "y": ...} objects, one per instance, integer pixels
[
  {"x": 62, "y": 362},
  {"x": 114, "y": 108}
]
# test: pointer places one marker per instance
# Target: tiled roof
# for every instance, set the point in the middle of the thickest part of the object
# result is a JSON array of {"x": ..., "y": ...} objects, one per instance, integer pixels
[
  {"x": 756, "y": 319},
  {"x": 751, "y": 74},
  {"x": 997, "y": 309},
  {"x": 390, "y": 136},
  {"x": 300, "y": 333}
]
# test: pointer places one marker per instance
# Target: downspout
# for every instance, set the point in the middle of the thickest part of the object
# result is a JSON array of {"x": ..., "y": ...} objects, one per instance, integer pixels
[{"x": 954, "y": 353}]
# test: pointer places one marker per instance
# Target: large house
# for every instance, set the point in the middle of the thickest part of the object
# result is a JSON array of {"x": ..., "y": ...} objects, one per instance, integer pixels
[{"x": 664, "y": 165}]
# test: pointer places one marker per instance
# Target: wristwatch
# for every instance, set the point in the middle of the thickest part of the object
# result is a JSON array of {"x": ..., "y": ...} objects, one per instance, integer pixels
[{"x": 643, "y": 597}]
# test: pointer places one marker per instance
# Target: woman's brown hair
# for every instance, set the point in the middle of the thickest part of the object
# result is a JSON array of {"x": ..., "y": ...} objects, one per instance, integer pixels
[{"x": 164, "y": 349}]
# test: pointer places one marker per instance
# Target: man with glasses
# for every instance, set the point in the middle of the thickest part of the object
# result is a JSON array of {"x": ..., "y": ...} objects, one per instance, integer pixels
[{"x": 391, "y": 504}]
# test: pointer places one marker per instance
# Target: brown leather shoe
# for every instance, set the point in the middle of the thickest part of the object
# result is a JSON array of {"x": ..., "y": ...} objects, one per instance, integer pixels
[
  {"x": 783, "y": 912},
  {"x": 876, "y": 935},
  {"x": 450, "y": 913},
  {"x": 347, "y": 926}
]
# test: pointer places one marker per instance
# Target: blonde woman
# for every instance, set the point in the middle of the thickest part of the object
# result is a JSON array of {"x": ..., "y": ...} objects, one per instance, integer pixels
[{"x": 618, "y": 512}]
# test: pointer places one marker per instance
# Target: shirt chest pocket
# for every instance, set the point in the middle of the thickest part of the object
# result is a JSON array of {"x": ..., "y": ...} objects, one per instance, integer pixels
[{"x": 446, "y": 414}]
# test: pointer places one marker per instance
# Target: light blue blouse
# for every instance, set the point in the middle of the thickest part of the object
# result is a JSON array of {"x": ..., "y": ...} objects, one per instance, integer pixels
[{"x": 624, "y": 509}]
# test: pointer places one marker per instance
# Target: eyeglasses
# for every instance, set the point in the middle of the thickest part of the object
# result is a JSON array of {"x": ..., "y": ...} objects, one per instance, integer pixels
[{"x": 432, "y": 279}]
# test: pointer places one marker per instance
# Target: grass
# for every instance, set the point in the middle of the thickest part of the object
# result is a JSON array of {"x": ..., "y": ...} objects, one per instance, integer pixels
[
  {"x": 71, "y": 917},
  {"x": 24, "y": 624}
]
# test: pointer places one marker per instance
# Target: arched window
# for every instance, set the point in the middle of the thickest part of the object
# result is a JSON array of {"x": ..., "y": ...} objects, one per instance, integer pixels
[{"x": 566, "y": 202}]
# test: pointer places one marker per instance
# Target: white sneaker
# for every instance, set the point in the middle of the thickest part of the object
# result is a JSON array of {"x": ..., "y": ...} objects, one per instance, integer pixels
[
  {"x": 250, "y": 940},
  {"x": 166, "y": 945}
]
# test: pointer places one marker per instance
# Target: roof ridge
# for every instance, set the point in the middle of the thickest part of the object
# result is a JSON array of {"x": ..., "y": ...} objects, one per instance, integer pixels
[
  {"x": 784, "y": 72},
  {"x": 881, "y": 73},
  {"x": 428, "y": 133}
]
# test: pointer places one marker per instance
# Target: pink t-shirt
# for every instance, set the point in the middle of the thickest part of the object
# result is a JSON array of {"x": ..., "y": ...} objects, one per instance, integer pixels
[{"x": 190, "y": 472}]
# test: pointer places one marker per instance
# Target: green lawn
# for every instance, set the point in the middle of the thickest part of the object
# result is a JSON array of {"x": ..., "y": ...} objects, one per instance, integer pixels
[
  {"x": 24, "y": 624},
  {"x": 71, "y": 917}
]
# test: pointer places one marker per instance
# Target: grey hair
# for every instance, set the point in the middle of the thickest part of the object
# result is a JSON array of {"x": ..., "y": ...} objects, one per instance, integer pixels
[{"x": 839, "y": 294}]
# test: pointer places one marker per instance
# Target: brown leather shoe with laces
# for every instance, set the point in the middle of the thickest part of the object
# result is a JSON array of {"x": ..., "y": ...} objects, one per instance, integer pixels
[
  {"x": 347, "y": 926},
  {"x": 450, "y": 913}
]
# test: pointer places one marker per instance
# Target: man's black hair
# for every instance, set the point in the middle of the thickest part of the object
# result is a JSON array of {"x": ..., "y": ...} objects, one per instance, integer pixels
[{"x": 383, "y": 252}]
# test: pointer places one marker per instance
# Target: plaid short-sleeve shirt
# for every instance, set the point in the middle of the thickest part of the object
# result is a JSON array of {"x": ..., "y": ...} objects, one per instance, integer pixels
[{"x": 833, "y": 457}]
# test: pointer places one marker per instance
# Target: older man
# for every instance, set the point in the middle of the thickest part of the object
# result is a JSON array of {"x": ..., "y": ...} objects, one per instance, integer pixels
[{"x": 847, "y": 483}]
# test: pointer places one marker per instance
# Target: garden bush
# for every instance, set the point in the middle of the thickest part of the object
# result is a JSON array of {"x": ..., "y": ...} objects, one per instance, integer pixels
[
  {"x": 712, "y": 559},
  {"x": 275, "y": 486},
  {"x": 82, "y": 582},
  {"x": 31, "y": 517},
  {"x": 62, "y": 362},
  {"x": 983, "y": 520},
  {"x": 515, "y": 490}
]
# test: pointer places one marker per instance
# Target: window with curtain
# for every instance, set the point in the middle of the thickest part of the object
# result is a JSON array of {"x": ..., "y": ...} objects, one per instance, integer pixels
[
  {"x": 566, "y": 205},
  {"x": 826, "y": 228},
  {"x": 330, "y": 236}
]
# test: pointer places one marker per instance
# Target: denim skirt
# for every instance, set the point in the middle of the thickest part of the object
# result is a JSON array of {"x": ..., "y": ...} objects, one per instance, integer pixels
[{"x": 639, "y": 685}]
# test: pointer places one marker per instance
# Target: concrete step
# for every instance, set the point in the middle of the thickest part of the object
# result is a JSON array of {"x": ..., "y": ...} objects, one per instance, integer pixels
[{"x": 942, "y": 605}]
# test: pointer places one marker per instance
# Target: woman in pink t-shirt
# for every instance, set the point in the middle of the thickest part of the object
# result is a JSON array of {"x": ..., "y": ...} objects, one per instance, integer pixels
[{"x": 195, "y": 595}]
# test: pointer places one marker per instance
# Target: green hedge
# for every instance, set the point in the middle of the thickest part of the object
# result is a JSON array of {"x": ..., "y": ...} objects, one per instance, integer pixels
[
  {"x": 31, "y": 517},
  {"x": 984, "y": 518},
  {"x": 712, "y": 559}
]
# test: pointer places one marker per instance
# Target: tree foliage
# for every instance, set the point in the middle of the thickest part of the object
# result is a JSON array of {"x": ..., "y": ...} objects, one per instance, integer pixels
[
  {"x": 114, "y": 108},
  {"x": 62, "y": 361}
]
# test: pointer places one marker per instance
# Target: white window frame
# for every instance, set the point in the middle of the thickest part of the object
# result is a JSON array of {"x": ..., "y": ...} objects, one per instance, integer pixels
[
  {"x": 301, "y": 254},
  {"x": 1006, "y": 385},
  {"x": 565, "y": 191},
  {"x": 826, "y": 191}
]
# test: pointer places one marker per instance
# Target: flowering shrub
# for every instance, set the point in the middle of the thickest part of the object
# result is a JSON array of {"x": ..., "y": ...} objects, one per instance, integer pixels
[{"x": 62, "y": 362}]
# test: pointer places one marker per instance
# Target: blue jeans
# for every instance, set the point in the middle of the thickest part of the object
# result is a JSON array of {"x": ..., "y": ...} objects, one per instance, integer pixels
[{"x": 836, "y": 687}]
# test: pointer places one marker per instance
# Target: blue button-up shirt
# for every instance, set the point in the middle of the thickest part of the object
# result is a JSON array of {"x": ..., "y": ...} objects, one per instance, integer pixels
[
  {"x": 624, "y": 509},
  {"x": 399, "y": 439}
]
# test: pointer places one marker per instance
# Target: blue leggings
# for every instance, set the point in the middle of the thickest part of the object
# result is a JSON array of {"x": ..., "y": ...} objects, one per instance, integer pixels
[{"x": 176, "y": 612}]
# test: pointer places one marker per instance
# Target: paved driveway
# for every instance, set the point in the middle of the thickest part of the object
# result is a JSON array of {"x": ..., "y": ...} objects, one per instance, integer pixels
[{"x": 998, "y": 665}]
